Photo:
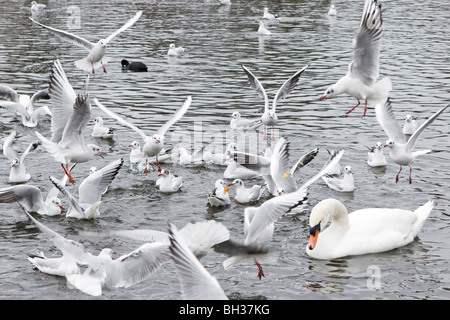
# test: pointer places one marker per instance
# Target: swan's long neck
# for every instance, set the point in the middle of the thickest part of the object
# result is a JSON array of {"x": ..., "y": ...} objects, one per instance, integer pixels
[{"x": 339, "y": 214}]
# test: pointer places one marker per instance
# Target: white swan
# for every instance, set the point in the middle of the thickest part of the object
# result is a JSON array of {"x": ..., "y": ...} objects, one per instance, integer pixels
[{"x": 368, "y": 230}]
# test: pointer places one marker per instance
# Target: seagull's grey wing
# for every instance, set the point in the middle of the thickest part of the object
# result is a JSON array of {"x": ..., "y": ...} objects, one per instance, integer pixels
[
  {"x": 279, "y": 166},
  {"x": 256, "y": 84},
  {"x": 304, "y": 160},
  {"x": 251, "y": 161},
  {"x": 28, "y": 196},
  {"x": 336, "y": 158},
  {"x": 54, "y": 191},
  {"x": 413, "y": 139},
  {"x": 333, "y": 183},
  {"x": 136, "y": 266},
  {"x": 177, "y": 116},
  {"x": 8, "y": 149},
  {"x": 287, "y": 87},
  {"x": 44, "y": 110},
  {"x": 366, "y": 54},
  {"x": 77, "y": 40},
  {"x": 76, "y": 124},
  {"x": 196, "y": 282},
  {"x": 15, "y": 107},
  {"x": 73, "y": 201},
  {"x": 273, "y": 209},
  {"x": 93, "y": 187},
  {"x": 120, "y": 119},
  {"x": 386, "y": 119},
  {"x": 9, "y": 93},
  {"x": 40, "y": 95},
  {"x": 32, "y": 146},
  {"x": 128, "y": 24},
  {"x": 62, "y": 97}
]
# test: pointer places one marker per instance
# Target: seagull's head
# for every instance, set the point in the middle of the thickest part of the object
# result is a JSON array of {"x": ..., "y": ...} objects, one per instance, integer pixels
[
  {"x": 97, "y": 120},
  {"x": 96, "y": 150},
  {"x": 379, "y": 145},
  {"x": 329, "y": 93},
  {"x": 164, "y": 173},
  {"x": 135, "y": 145},
  {"x": 280, "y": 192},
  {"x": 409, "y": 118},
  {"x": 57, "y": 203},
  {"x": 348, "y": 169},
  {"x": 172, "y": 46},
  {"x": 237, "y": 182},
  {"x": 236, "y": 115},
  {"x": 156, "y": 138},
  {"x": 389, "y": 143},
  {"x": 15, "y": 163},
  {"x": 102, "y": 42}
]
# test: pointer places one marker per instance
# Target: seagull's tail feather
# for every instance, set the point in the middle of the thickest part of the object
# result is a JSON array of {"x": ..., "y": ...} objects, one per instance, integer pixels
[
  {"x": 382, "y": 89},
  {"x": 87, "y": 65},
  {"x": 230, "y": 262}
]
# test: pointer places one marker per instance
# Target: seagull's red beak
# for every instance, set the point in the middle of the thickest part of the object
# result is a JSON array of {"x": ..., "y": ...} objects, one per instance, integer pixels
[
  {"x": 101, "y": 153},
  {"x": 322, "y": 97}
]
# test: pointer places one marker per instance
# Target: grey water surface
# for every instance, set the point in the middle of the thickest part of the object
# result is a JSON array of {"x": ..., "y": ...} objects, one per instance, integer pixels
[{"x": 218, "y": 39}]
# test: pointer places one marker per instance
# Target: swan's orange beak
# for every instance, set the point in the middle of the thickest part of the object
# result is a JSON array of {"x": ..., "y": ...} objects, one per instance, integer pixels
[{"x": 313, "y": 240}]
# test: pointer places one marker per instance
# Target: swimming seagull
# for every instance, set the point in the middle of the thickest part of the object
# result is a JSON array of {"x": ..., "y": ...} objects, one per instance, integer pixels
[
  {"x": 18, "y": 172},
  {"x": 219, "y": 196},
  {"x": 90, "y": 191},
  {"x": 332, "y": 11},
  {"x": 410, "y": 125},
  {"x": 169, "y": 182},
  {"x": 346, "y": 184},
  {"x": 23, "y": 105},
  {"x": 37, "y": 6},
  {"x": 269, "y": 118},
  {"x": 262, "y": 30},
  {"x": 238, "y": 123},
  {"x": 100, "y": 130},
  {"x": 175, "y": 51},
  {"x": 70, "y": 115},
  {"x": 401, "y": 150},
  {"x": 375, "y": 156},
  {"x": 269, "y": 16},
  {"x": 360, "y": 81},
  {"x": 102, "y": 270},
  {"x": 97, "y": 51},
  {"x": 152, "y": 144},
  {"x": 246, "y": 195},
  {"x": 196, "y": 282}
]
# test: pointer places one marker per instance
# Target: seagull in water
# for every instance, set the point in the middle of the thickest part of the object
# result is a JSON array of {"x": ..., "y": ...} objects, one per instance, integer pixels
[
  {"x": 332, "y": 11},
  {"x": 100, "y": 130},
  {"x": 70, "y": 115},
  {"x": 168, "y": 182},
  {"x": 360, "y": 81},
  {"x": 410, "y": 125},
  {"x": 219, "y": 196},
  {"x": 238, "y": 123},
  {"x": 346, "y": 184},
  {"x": 375, "y": 156},
  {"x": 401, "y": 150},
  {"x": 18, "y": 172},
  {"x": 152, "y": 144},
  {"x": 23, "y": 105},
  {"x": 269, "y": 118},
  {"x": 246, "y": 195},
  {"x": 262, "y": 30},
  {"x": 97, "y": 51},
  {"x": 90, "y": 191},
  {"x": 175, "y": 51},
  {"x": 269, "y": 16}
]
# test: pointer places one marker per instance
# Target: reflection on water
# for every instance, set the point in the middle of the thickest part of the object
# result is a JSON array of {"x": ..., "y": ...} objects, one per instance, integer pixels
[{"x": 218, "y": 39}]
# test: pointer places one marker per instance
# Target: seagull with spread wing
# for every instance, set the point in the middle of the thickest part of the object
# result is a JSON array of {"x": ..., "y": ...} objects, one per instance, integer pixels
[{"x": 97, "y": 51}]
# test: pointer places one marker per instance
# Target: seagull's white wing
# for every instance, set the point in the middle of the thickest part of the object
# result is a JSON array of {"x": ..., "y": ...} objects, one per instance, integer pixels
[
  {"x": 287, "y": 87},
  {"x": 93, "y": 187},
  {"x": 279, "y": 166},
  {"x": 8, "y": 149},
  {"x": 196, "y": 282},
  {"x": 9, "y": 93},
  {"x": 28, "y": 196},
  {"x": 142, "y": 235},
  {"x": 77, "y": 40},
  {"x": 44, "y": 110},
  {"x": 120, "y": 119},
  {"x": 366, "y": 54},
  {"x": 304, "y": 160},
  {"x": 136, "y": 266},
  {"x": 76, "y": 124},
  {"x": 177, "y": 116},
  {"x": 73, "y": 201},
  {"x": 128, "y": 24},
  {"x": 256, "y": 84},
  {"x": 387, "y": 121},
  {"x": 40, "y": 95},
  {"x": 413, "y": 139},
  {"x": 273, "y": 209},
  {"x": 32, "y": 146},
  {"x": 329, "y": 165},
  {"x": 62, "y": 97}
]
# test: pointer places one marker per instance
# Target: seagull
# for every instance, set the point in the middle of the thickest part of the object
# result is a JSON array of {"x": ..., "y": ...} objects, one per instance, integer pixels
[
  {"x": 346, "y": 184},
  {"x": 175, "y": 51},
  {"x": 137, "y": 160},
  {"x": 269, "y": 16},
  {"x": 269, "y": 118},
  {"x": 152, "y": 144},
  {"x": 70, "y": 115},
  {"x": 410, "y": 125},
  {"x": 23, "y": 105},
  {"x": 100, "y": 130},
  {"x": 332, "y": 11},
  {"x": 262, "y": 30},
  {"x": 259, "y": 224},
  {"x": 375, "y": 156},
  {"x": 238, "y": 123},
  {"x": 31, "y": 198},
  {"x": 103, "y": 270},
  {"x": 187, "y": 159},
  {"x": 360, "y": 81},
  {"x": 235, "y": 170},
  {"x": 219, "y": 197},
  {"x": 90, "y": 191},
  {"x": 246, "y": 195},
  {"x": 37, "y": 6},
  {"x": 136, "y": 66},
  {"x": 97, "y": 51},
  {"x": 401, "y": 150},
  {"x": 196, "y": 282},
  {"x": 18, "y": 172},
  {"x": 168, "y": 182}
]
